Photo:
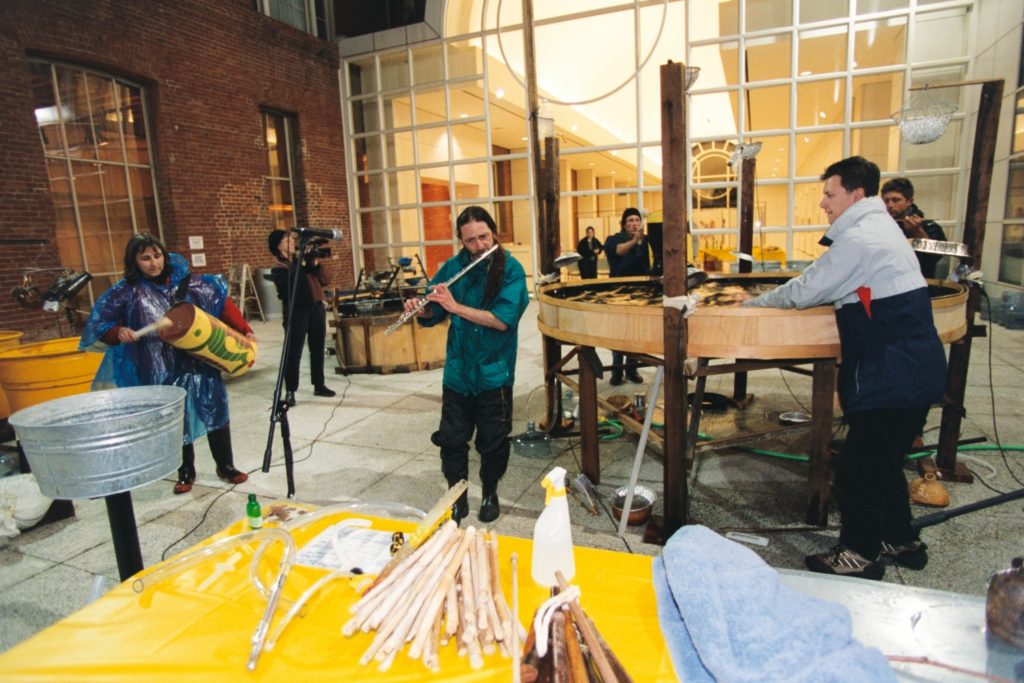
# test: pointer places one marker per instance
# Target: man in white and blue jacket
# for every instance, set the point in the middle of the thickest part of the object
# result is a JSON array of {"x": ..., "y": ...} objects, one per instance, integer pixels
[{"x": 893, "y": 367}]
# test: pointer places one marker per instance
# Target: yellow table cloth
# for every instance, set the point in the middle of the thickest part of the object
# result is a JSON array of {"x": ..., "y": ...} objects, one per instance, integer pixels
[{"x": 172, "y": 631}]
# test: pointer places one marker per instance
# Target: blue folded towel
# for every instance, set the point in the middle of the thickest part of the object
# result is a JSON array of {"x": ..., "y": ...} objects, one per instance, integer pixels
[{"x": 726, "y": 617}]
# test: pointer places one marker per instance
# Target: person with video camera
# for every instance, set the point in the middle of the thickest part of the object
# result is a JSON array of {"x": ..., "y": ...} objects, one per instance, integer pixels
[
  {"x": 309, "y": 319},
  {"x": 898, "y": 195}
]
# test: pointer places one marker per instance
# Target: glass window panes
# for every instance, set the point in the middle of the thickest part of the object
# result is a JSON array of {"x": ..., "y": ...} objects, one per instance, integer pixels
[
  {"x": 871, "y": 6},
  {"x": 403, "y": 187},
  {"x": 880, "y": 43},
  {"x": 822, "y": 51},
  {"x": 769, "y": 108},
  {"x": 369, "y": 155},
  {"x": 464, "y": 58},
  {"x": 399, "y": 145},
  {"x": 431, "y": 105},
  {"x": 815, "y": 151},
  {"x": 773, "y": 159},
  {"x": 394, "y": 70},
  {"x": 427, "y": 65},
  {"x": 936, "y": 195},
  {"x": 371, "y": 189},
  {"x": 362, "y": 76},
  {"x": 405, "y": 225},
  {"x": 771, "y": 205},
  {"x": 472, "y": 180},
  {"x": 719, "y": 64},
  {"x": 397, "y": 109},
  {"x": 879, "y": 144},
  {"x": 93, "y": 135},
  {"x": 877, "y": 96},
  {"x": 769, "y": 57},
  {"x": 806, "y": 200},
  {"x": 821, "y": 103},
  {"x": 940, "y": 35},
  {"x": 765, "y": 14},
  {"x": 822, "y": 10},
  {"x": 365, "y": 115},
  {"x": 467, "y": 100}
]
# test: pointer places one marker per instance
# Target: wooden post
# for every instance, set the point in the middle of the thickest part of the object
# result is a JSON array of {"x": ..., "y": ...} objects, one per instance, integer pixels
[
  {"x": 674, "y": 188},
  {"x": 974, "y": 238},
  {"x": 822, "y": 392},
  {"x": 748, "y": 172},
  {"x": 590, "y": 370}
]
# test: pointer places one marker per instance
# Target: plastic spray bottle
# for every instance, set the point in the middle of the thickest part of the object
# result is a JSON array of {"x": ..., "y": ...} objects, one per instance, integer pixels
[{"x": 552, "y": 535}]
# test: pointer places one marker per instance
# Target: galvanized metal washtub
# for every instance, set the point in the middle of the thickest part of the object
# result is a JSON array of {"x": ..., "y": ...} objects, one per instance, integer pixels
[{"x": 104, "y": 442}]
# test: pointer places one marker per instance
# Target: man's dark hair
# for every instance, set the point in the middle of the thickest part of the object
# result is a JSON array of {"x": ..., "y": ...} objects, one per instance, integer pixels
[
  {"x": 496, "y": 268},
  {"x": 274, "y": 241},
  {"x": 855, "y": 172},
  {"x": 137, "y": 244},
  {"x": 590, "y": 228},
  {"x": 901, "y": 185}
]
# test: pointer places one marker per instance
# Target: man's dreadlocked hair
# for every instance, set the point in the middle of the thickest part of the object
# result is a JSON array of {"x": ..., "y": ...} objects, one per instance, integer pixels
[{"x": 496, "y": 268}]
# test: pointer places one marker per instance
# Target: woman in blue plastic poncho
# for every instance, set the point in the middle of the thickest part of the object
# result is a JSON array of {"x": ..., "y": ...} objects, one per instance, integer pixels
[{"x": 154, "y": 280}]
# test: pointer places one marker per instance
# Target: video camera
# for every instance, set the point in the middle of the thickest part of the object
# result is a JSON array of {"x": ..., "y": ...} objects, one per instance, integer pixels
[{"x": 316, "y": 249}]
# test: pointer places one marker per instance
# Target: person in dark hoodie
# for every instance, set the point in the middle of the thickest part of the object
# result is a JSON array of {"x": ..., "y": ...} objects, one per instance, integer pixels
[{"x": 893, "y": 367}]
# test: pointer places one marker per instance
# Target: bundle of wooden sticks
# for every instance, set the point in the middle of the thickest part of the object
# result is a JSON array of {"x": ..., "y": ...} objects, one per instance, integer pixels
[
  {"x": 575, "y": 653},
  {"x": 449, "y": 588}
]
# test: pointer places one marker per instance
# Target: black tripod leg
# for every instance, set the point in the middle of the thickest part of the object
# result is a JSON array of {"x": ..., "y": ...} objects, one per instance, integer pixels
[{"x": 937, "y": 517}]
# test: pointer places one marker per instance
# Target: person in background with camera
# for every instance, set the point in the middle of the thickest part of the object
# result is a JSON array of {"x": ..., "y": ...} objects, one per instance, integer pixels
[
  {"x": 898, "y": 195},
  {"x": 309, "y": 320},
  {"x": 484, "y": 307},
  {"x": 628, "y": 254},
  {"x": 589, "y": 249},
  {"x": 153, "y": 281}
]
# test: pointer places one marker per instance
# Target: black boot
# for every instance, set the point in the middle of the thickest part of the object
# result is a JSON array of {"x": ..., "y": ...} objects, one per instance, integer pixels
[
  {"x": 220, "y": 447},
  {"x": 187, "y": 471},
  {"x": 489, "y": 506},
  {"x": 460, "y": 509}
]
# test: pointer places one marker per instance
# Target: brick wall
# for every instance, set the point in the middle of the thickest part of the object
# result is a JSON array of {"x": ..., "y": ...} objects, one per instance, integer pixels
[{"x": 208, "y": 67}]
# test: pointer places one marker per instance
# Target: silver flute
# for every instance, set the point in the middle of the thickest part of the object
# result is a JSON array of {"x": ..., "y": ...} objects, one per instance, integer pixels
[{"x": 408, "y": 315}]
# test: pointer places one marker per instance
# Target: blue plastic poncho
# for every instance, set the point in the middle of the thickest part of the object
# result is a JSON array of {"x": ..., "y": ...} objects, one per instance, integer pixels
[{"x": 152, "y": 361}]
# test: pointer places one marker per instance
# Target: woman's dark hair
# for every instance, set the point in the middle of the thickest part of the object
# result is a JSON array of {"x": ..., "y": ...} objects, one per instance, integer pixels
[
  {"x": 136, "y": 245},
  {"x": 496, "y": 268}
]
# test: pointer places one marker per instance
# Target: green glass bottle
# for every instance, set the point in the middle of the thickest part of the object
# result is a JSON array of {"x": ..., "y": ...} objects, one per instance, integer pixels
[{"x": 253, "y": 513}]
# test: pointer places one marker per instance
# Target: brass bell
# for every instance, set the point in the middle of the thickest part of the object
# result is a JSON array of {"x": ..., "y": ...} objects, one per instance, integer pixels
[{"x": 1004, "y": 604}]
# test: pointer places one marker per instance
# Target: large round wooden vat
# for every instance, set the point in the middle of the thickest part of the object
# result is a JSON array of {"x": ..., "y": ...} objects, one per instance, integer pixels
[{"x": 716, "y": 331}]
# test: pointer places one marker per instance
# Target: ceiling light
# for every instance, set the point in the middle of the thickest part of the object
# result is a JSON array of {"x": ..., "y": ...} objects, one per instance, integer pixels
[
  {"x": 463, "y": 116},
  {"x": 499, "y": 93},
  {"x": 524, "y": 138},
  {"x": 574, "y": 128},
  {"x": 821, "y": 114},
  {"x": 806, "y": 139},
  {"x": 613, "y": 172},
  {"x": 591, "y": 164}
]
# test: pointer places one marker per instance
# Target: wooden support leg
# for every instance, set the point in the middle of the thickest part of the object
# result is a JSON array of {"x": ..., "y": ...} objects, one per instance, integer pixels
[
  {"x": 552, "y": 353},
  {"x": 824, "y": 386},
  {"x": 948, "y": 468},
  {"x": 590, "y": 370},
  {"x": 695, "y": 413}
]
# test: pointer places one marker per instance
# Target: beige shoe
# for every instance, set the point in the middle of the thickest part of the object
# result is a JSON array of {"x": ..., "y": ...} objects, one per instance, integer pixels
[{"x": 928, "y": 491}]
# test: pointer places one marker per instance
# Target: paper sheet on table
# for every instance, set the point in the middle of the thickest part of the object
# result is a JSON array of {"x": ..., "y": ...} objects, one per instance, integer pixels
[{"x": 367, "y": 549}]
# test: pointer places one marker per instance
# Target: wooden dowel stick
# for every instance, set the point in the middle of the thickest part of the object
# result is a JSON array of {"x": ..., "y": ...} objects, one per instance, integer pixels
[
  {"x": 603, "y": 667},
  {"x": 516, "y": 652}
]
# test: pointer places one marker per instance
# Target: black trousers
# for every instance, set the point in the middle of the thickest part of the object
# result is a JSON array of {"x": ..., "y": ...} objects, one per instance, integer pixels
[
  {"x": 588, "y": 269},
  {"x": 220, "y": 448},
  {"x": 311, "y": 326},
  {"x": 873, "y": 498},
  {"x": 631, "y": 364},
  {"x": 490, "y": 415}
]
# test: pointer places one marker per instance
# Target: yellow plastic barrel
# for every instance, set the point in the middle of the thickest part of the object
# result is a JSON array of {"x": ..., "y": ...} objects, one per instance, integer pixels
[
  {"x": 34, "y": 373},
  {"x": 8, "y": 339}
]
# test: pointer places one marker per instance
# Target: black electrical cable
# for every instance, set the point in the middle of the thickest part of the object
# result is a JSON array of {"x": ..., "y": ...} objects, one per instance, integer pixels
[{"x": 279, "y": 463}]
